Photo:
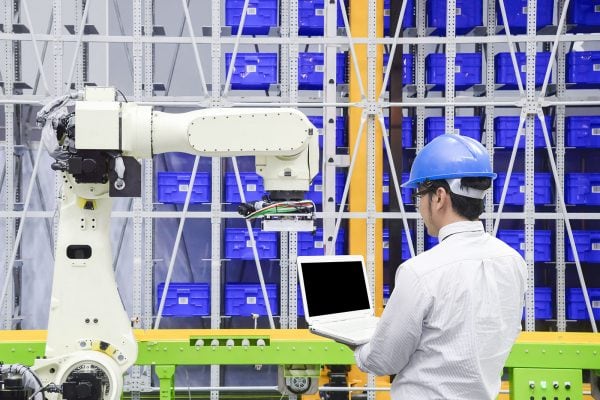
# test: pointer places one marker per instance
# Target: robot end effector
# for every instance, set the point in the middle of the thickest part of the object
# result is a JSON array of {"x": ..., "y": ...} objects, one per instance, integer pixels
[{"x": 101, "y": 141}]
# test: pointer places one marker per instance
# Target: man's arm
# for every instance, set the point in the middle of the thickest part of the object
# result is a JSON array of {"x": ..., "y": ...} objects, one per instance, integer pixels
[{"x": 399, "y": 331}]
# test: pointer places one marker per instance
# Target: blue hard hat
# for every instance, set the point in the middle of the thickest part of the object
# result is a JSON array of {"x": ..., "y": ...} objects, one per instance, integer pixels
[{"x": 450, "y": 156}]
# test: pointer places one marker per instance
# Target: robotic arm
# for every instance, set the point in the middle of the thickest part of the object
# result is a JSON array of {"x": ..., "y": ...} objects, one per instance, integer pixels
[{"x": 90, "y": 340}]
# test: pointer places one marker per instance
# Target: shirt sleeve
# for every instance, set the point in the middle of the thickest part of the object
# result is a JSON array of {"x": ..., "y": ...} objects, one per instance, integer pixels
[{"x": 399, "y": 330}]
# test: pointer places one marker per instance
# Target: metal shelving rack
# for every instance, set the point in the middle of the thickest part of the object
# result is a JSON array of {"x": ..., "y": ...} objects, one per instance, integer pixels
[{"x": 142, "y": 213}]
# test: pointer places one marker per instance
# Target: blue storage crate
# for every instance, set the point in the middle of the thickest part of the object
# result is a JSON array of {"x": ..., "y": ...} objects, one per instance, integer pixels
[
  {"x": 238, "y": 246},
  {"x": 387, "y": 187},
  {"x": 261, "y": 15},
  {"x": 469, "y": 14},
  {"x": 310, "y": 244},
  {"x": 245, "y": 299},
  {"x": 582, "y": 188},
  {"x": 252, "y": 71},
  {"x": 583, "y": 68},
  {"x": 516, "y": 12},
  {"x": 506, "y": 127},
  {"x": 407, "y": 128},
  {"x": 430, "y": 241},
  {"x": 386, "y": 244},
  {"x": 407, "y": 68},
  {"x": 315, "y": 191},
  {"x": 515, "y": 194},
  {"x": 505, "y": 71},
  {"x": 386, "y": 291},
  {"x": 184, "y": 299},
  {"x": 407, "y": 22},
  {"x": 583, "y": 131},
  {"x": 311, "y": 17},
  {"x": 542, "y": 242},
  {"x": 467, "y": 72},
  {"x": 576, "y": 308},
  {"x": 542, "y": 302},
  {"x": 587, "y": 244},
  {"x": 252, "y": 184},
  {"x": 465, "y": 126},
  {"x": 173, "y": 187},
  {"x": 311, "y": 68},
  {"x": 585, "y": 14},
  {"x": 340, "y": 130}
]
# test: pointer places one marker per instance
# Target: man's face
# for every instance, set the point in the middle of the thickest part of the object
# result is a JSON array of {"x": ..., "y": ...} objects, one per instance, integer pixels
[{"x": 425, "y": 209}]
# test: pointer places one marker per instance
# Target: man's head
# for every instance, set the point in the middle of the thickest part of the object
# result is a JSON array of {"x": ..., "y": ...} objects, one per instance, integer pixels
[{"x": 450, "y": 175}]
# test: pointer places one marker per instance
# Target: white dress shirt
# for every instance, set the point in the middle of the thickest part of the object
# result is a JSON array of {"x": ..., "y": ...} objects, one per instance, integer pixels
[{"x": 452, "y": 318}]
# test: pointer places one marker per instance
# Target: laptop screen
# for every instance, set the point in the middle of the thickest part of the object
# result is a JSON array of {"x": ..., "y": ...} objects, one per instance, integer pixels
[{"x": 334, "y": 285}]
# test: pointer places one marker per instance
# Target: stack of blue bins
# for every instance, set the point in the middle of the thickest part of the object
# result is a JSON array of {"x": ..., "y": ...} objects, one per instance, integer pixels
[
  {"x": 261, "y": 16},
  {"x": 311, "y": 17},
  {"x": 407, "y": 22},
  {"x": 245, "y": 299},
  {"x": 584, "y": 15},
  {"x": 469, "y": 14},
  {"x": 516, "y": 13},
  {"x": 465, "y": 126},
  {"x": 583, "y": 69},
  {"x": 576, "y": 308},
  {"x": 407, "y": 68},
  {"x": 252, "y": 185},
  {"x": 172, "y": 187},
  {"x": 184, "y": 299},
  {"x": 583, "y": 131},
  {"x": 542, "y": 242},
  {"x": 387, "y": 187},
  {"x": 407, "y": 127},
  {"x": 311, "y": 68},
  {"x": 467, "y": 70},
  {"x": 587, "y": 244},
  {"x": 340, "y": 130},
  {"x": 505, "y": 128},
  {"x": 543, "y": 303},
  {"x": 239, "y": 247},
  {"x": 505, "y": 71},
  {"x": 515, "y": 194},
  {"x": 313, "y": 244},
  {"x": 252, "y": 71}
]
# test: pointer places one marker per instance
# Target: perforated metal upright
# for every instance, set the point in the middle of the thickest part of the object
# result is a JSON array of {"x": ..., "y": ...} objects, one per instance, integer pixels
[
  {"x": 420, "y": 110},
  {"x": 490, "y": 88},
  {"x": 450, "y": 64}
]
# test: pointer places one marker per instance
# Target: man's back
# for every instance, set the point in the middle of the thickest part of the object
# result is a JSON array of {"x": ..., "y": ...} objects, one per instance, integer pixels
[{"x": 460, "y": 304}]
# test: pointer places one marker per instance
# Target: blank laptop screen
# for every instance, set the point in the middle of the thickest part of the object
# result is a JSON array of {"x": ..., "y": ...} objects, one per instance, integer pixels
[{"x": 334, "y": 287}]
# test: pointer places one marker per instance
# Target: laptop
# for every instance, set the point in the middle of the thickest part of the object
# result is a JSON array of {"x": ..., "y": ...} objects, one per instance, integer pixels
[{"x": 336, "y": 298}]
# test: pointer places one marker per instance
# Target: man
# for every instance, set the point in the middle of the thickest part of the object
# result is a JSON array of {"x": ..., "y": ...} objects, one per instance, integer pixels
[{"x": 455, "y": 312}]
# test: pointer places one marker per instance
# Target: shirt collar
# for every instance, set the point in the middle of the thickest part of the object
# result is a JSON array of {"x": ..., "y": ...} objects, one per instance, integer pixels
[{"x": 460, "y": 227}]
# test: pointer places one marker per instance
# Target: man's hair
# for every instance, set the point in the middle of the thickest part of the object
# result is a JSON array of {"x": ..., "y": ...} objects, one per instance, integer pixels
[{"x": 466, "y": 207}]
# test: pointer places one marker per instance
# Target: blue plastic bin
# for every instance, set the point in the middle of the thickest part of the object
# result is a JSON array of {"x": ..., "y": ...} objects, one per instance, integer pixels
[
  {"x": 311, "y": 17},
  {"x": 583, "y": 131},
  {"x": 386, "y": 244},
  {"x": 576, "y": 308},
  {"x": 340, "y": 130},
  {"x": 386, "y": 291},
  {"x": 469, "y": 14},
  {"x": 407, "y": 128},
  {"x": 311, "y": 68},
  {"x": 516, "y": 12},
  {"x": 261, "y": 15},
  {"x": 252, "y": 71},
  {"x": 407, "y": 67},
  {"x": 505, "y": 71},
  {"x": 238, "y": 246},
  {"x": 582, "y": 188},
  {"x": 173, "y": 187},
  {"x": 515, "y": 195},
  {"x": 587, "y": 244},
  {"x": 506, "y": 127},
  {"x": 310, "y": 244},
  {"x": 542, "y": 242},
  {"x": 245, "y": 299},
  {"x": 184, "y": 299},
  {"x": 583, "y": 68},
  {"x": 315, "y": 191},
  {"x": 542, "y": 303},
  {"x": 585, "y": 14},
  {"x": 465, "y": 126},
  {"x": 467, "y": 71},
  {"x": 407, "y": 22},
  {"x": 387, "y": 187},
  {"x": 252, "y": 184}
]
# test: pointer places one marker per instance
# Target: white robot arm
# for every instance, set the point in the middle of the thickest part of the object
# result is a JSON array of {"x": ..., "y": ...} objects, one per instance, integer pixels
[{"x": 90, "y": 340}]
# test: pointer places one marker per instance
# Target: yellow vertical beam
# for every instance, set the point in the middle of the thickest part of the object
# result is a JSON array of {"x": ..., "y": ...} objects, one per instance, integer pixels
[{"x": 359, "y": 23}]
